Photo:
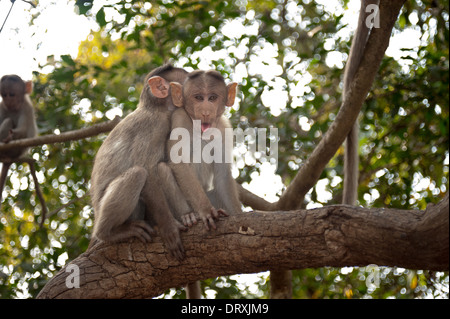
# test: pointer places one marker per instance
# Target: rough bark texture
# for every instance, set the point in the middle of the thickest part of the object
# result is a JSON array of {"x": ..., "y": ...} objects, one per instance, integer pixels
[{"x": 337, "y": 236}]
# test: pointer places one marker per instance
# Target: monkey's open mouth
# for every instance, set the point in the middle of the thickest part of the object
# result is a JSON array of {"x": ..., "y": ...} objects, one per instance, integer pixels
[{"x": 205, "y": 126}]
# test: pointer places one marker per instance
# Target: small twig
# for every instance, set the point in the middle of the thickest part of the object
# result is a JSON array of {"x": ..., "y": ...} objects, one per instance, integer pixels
[{"x": 7, "y": 16}]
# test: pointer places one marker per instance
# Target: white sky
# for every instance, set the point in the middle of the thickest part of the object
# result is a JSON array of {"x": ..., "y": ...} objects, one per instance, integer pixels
[{"x": 58, "y": 30}]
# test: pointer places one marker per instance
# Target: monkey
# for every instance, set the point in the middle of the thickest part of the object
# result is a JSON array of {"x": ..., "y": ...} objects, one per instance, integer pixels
[
  {"x": 351, "y": 159},
  {"x": 17, "y": 120},
  {"x": 206, "y": 186},
  {"x": 125, "y": 188}
]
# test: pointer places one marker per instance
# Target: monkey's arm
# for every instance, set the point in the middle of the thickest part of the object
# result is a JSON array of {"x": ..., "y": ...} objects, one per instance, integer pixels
[{"x": 26, "y": 124}]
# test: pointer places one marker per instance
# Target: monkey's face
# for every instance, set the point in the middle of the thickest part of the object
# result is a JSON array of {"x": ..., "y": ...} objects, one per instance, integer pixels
[
  {"x": 204, "y": 96},
  {"x": 206, "y": 104},
  {"x": 12, "y": 96}
]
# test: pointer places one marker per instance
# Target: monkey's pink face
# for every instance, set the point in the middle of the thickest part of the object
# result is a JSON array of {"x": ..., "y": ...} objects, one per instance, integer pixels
[
  {"x": 12, "y": 97},
  {"x": 207, "y": 106}
]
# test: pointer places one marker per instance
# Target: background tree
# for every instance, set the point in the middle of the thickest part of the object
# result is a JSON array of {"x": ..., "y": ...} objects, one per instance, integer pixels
[{"x": 288, "y": 58}]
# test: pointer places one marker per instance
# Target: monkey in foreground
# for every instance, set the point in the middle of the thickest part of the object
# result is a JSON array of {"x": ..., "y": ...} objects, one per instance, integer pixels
[
  {"x": 351, "y": 159},
  {"x": 17, "y": 119},
  {"x": 207, "y": 183},
  {"x": 126, "y": 192}
]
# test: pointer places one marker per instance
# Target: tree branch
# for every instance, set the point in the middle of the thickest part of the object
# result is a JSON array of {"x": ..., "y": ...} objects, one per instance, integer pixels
[
  {"x": 63, "y": 137},
  {"x": 335, "y": 236},
  {"x": 310, "y": 172}
]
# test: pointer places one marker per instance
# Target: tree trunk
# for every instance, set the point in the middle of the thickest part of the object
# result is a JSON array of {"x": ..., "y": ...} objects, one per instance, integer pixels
[{"x": 337, "y": 236}]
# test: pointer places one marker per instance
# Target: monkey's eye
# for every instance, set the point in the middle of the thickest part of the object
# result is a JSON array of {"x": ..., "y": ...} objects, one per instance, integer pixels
[
  {"x": 198, "y": 97},
  {"x": 212, "y": 98}
]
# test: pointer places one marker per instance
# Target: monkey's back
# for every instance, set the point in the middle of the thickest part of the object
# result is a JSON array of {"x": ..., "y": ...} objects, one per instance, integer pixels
[{"x": 138, "y": 140}]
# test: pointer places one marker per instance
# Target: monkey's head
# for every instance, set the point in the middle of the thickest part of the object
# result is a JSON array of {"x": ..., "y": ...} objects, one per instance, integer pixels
[
  {"x": 13, "y": 90},
  {"x": 204, "y": 96},
  {"x": 157, "y": 85}
]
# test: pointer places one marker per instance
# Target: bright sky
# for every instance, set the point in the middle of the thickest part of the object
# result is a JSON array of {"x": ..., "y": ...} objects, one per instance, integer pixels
[{"x": 56, "y": 31}]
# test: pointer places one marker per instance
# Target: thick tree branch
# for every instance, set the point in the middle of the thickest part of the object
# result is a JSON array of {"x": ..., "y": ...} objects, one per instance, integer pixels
[
  {"x": 336, "y": 236},
  {"x": 63, "y": 137},
  {"x": 377, "y": 44}
]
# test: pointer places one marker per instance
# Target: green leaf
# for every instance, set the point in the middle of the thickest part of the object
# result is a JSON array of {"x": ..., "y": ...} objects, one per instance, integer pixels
[{"x": 100, "y": 17}]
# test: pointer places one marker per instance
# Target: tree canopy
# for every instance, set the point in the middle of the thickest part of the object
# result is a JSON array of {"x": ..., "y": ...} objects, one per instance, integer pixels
[{"x": 288, "y": 59}]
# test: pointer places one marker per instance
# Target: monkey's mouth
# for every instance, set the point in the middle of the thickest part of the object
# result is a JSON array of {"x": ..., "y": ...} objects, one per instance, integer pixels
[{"x": 205, "y": 126}]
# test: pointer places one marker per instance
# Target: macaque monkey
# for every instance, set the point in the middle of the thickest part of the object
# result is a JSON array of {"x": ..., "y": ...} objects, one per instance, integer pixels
[
  {"x": 351, "y": 159},
  {"x": 17, "y": 119},
  {"x": 206, "y": 186},
  {"x": 126, "y": 192},
  {"x": 207, "y": 183}
]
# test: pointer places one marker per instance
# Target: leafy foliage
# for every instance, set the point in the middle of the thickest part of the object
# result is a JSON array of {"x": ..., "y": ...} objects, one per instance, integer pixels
[{"x": 288, "y": 58}]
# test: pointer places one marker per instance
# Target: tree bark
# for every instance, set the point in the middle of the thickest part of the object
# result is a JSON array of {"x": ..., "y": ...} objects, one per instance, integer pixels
[{"x": 337, "y": 236}]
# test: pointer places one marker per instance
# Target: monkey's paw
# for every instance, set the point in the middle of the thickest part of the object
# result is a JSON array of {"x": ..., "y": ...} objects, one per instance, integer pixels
[
  {"x": 208, "y": 218},
  {"x": 172, "y": 240},
  {"x": 140, "y": 229}
]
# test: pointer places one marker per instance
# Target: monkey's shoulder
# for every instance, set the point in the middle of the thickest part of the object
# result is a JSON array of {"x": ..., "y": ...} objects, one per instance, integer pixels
[
  {"x": 180, "y": 118},
  {"x": 179, "y": 112}
]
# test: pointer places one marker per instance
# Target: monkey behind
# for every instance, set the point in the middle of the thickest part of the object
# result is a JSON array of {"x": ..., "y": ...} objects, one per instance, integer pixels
[{"x": 125, "y": 187}]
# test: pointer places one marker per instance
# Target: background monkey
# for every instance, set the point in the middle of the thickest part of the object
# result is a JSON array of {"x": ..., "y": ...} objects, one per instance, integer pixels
[
  {"x": 126, "y": 193},
  {"x": 208, "y": 188},
  {"x": 17, "y": 119}
]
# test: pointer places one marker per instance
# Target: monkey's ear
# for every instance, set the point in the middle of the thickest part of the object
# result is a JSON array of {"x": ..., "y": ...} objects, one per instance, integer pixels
[
  {"x": 231, "y": 93},
  {"x": 177, "y": 93},
  {"x": 159, "y": 87},
  {"x": 28, "y": 87}
]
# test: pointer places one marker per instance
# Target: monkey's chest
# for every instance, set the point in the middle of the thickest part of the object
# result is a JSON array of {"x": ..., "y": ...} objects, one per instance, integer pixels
[{"x": 205, "y": 175}]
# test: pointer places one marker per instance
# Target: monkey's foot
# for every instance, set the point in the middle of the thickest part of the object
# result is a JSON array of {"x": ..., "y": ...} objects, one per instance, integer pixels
[
  {"x": 137, "y": 228},
  {"x": 209, "y": 217},
  {"x": 170, "y": 235}
]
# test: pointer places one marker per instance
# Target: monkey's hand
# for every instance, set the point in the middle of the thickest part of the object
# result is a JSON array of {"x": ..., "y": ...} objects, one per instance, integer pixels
[
  {"x": 208, "y": 218},
  {"x": 170, "y": 234}
]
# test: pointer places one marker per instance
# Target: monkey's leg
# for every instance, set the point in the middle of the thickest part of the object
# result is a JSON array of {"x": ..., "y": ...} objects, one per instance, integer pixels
[
  {"x": 158, "y": 208},
  {"x": 181, "y": 210},
  {"x": 115, "y": 221},
  {"x": 225, "y": 194},
  {"x": 194, "y": 193},
  {"x": 175, "y": 198}
]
